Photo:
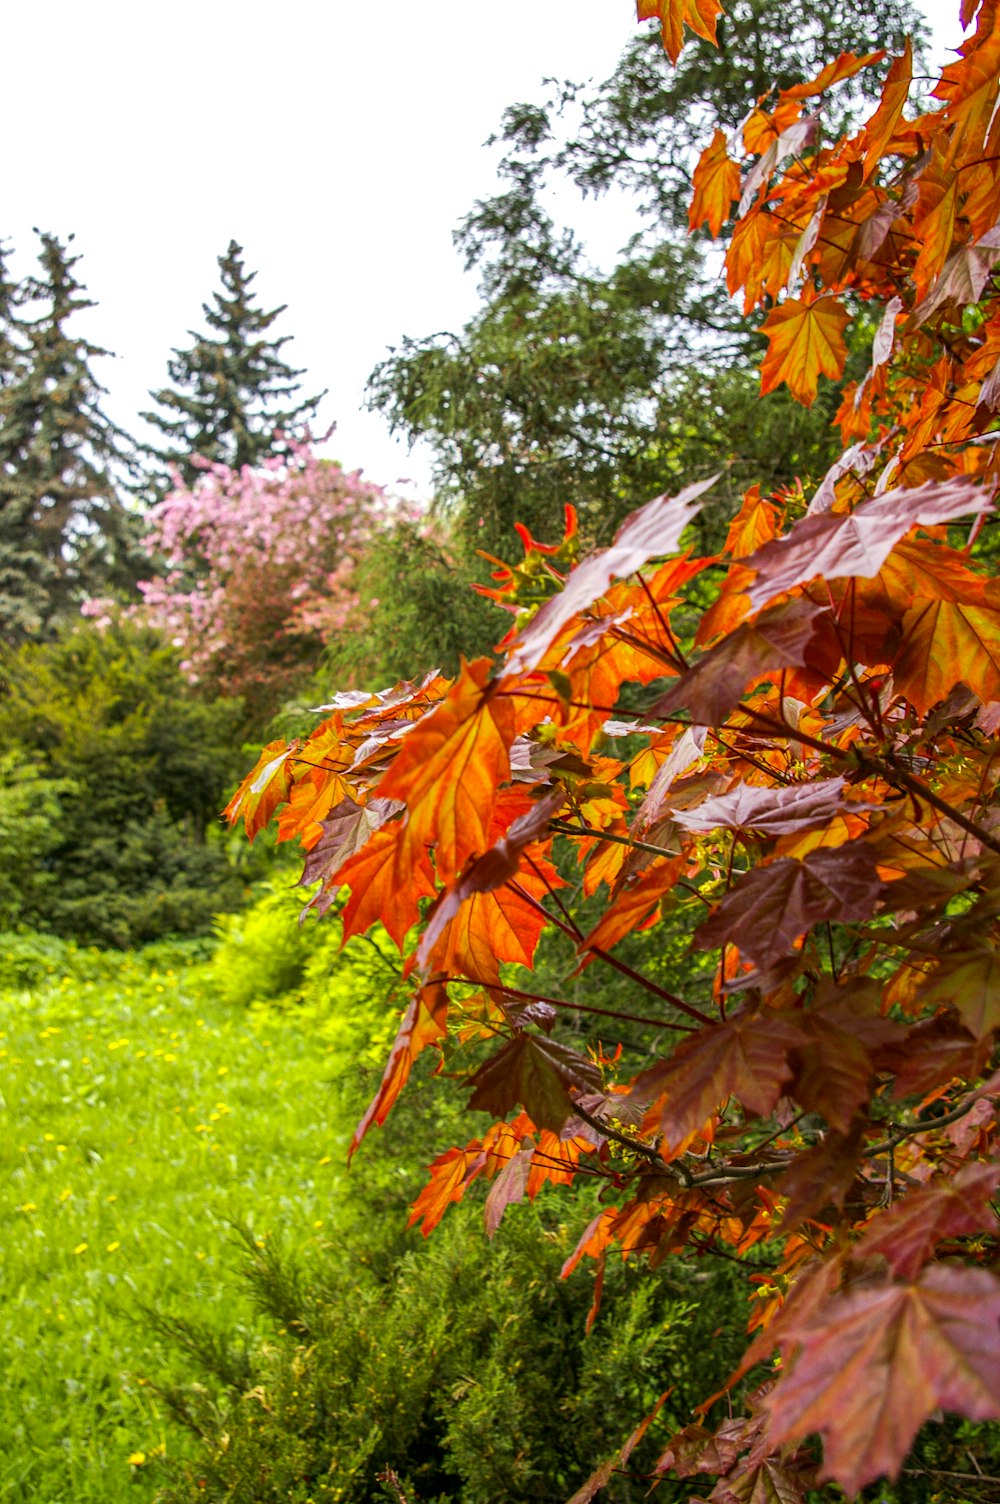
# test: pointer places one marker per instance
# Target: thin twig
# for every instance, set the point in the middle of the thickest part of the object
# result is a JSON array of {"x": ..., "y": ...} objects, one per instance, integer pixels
[
  {"x": 901, "y": 1131},
  {"x": 645, "y": 1150},
  {"x": 613, "y": 961}
]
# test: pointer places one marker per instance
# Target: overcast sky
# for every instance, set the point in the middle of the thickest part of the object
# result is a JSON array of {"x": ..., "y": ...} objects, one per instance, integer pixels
[{"x": 338, "y": 142}]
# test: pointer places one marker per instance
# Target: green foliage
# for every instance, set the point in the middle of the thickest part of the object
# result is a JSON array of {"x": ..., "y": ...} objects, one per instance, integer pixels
[
  {"x": 230, "y": 391},
  {"x": 411, "y": 586},
  {"x": 349, "y": 997},
  {"x": 30, "y": 816},
  {"x": 541, "y": 401},
  {"x": 467, "y": 1370},
  {"x": 32, "y": 961},
  {"x": 262, "y": 953},
  {"x": 130, "y": 770},
  {"x": 142, "y": 1118},
  {"x": 463, "y": 1365}
]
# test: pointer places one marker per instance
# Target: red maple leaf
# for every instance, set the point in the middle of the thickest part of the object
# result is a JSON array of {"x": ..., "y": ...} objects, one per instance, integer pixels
[
  {"x": 858, "y": 543},
  {"x": 867, "y": 1366}
]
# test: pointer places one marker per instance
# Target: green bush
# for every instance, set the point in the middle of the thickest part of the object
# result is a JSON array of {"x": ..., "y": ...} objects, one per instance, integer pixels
[
  {"x": 31, "y": 809},
  {"x": 30, "y": 961},
  {"x": 274, "y": 955},
  {"x": 463, "y": 1365},
  {"x": 467, "y": 1370},
  {"x": 263, "y": 953},
  {"x": 109, "y": 830}
]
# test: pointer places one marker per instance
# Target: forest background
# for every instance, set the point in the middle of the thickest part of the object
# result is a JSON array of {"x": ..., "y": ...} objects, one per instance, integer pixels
[{"x": 120, "y": 733}]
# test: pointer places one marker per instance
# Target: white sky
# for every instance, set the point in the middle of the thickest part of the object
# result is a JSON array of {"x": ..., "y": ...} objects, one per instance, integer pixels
[{"x": 339, "y": 142}]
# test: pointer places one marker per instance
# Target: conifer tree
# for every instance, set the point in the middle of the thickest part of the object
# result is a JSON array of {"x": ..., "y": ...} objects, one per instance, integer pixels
[
  {"x": 63, "y": 528},
  {"x": 230, "y": 389},
  {"x": 8, "y": 304}
]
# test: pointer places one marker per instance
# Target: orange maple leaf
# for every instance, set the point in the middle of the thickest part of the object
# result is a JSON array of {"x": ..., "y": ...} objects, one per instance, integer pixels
[
  {"x": 633, "y": 906},
  {"x": 947, "y": 643},
  {"x": 844, "y": 66},
  {"x": 881, "y": 127},
  {"x": 448, "y": 772},
  {"x": 376, "y": 895},
  {"x": 716, "y": 184},
  {"x": 806, "y": 341},
  {"x": 491, "y": 927},
  {"x": 700, "y": 16},
  {"x": 267, "y": 785},
  {"x": 934, "y": 225},
  {"x": 423, "y": 1023},
  {"x": 970, "y": 86},
  {"x": 451, "y": 1174},
  {"x": 482, "y": 920},
  {"x": 755, "y": 524}
]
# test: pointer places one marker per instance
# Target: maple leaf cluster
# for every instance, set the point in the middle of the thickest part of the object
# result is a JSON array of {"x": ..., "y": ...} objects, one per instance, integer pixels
[{"x": 812, "y": 780}]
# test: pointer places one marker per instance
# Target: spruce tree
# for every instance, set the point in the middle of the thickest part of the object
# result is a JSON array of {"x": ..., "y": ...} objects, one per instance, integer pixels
[
  {"x": 64, "y": 532},
  {"x": 229, "y": 389},
  {"x": 8, "y": 318}
]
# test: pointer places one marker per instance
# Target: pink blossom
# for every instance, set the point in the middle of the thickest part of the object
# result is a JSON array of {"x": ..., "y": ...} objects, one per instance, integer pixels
[{"x": 256, "y": 568}]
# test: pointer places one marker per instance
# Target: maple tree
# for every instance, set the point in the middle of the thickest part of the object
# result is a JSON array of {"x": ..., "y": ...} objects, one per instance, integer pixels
[{"x": 805, "y": 774}]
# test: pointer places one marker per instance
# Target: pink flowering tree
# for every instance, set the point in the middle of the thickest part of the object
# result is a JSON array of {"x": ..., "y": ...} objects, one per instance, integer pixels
[{"x": 257, "y": 569}]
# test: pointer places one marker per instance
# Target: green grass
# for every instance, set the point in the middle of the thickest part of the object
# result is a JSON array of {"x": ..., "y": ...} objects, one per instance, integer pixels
[{"x": 142, "y": 1118}]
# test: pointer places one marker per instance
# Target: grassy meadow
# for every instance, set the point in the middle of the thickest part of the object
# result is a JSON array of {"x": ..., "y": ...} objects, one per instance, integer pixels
[{"x": 144, "y": 1117}]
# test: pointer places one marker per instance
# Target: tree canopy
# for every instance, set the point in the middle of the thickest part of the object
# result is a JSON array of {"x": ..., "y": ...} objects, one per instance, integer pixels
[
  {"x": 574, "y": 385},
  {"x": 259, "y": 569}
]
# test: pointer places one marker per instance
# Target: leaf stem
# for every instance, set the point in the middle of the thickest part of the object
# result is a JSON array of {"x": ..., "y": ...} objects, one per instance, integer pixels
[
  {"x": 558, "y": 1002},
  {"x": 901, "y": 1130},
  {"x": 613, "y": 961},
  {"x": 885, "y": 767},
  {"x": 606, "y": 835},
  {"x": 637, "y": 1145}
]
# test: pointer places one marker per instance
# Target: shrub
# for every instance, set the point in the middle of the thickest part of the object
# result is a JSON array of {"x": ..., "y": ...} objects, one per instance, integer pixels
[
  {"x": 124, "y": 772},
  {"x": 467, "y": 1370}
]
